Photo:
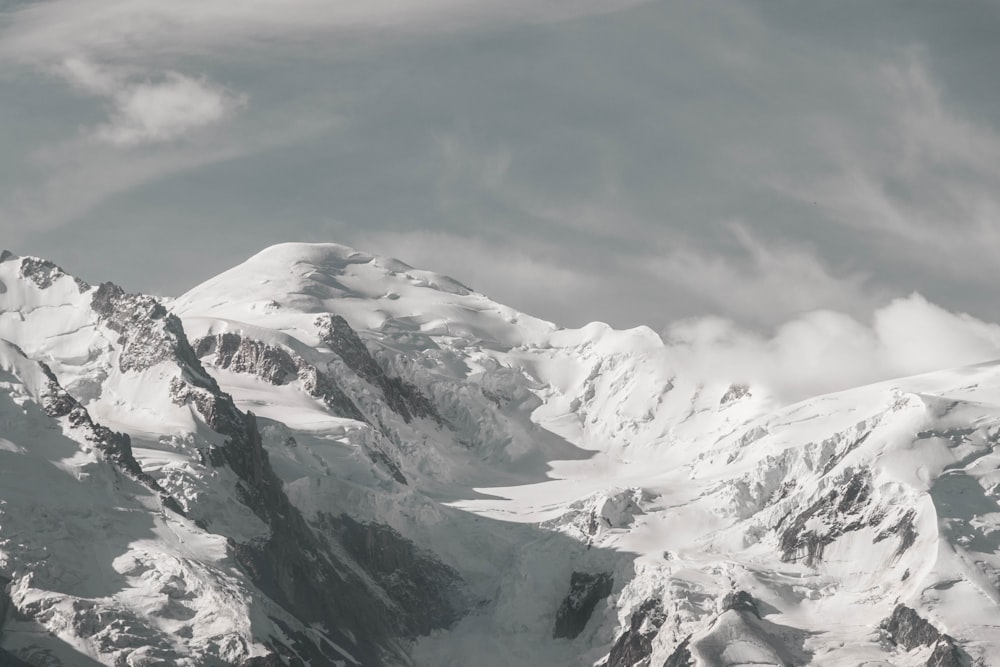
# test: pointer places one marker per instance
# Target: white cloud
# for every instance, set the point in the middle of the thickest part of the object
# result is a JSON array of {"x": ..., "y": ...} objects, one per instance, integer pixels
[
  {"x": 826, "y": 351},
  {"x": 144, "y": 28},
  {"x": 151, "y": 111}
]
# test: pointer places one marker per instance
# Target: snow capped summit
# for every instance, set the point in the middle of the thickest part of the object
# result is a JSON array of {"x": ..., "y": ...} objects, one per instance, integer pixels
[
  {"x": 285, "y": 282},
  {"x": 326, "y": 457}
]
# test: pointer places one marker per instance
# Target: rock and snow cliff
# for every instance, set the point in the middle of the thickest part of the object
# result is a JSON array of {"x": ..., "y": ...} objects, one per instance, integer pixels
[{"x": 322, "y": 457}]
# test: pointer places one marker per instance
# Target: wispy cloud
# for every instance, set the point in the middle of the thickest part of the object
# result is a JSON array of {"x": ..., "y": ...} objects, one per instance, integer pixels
[
  {"x": 143, "y": 28},
  {"x": 760, "y": 281},
  {"x": 922, "y": 179},
  {"x": 151, "y": 110}
]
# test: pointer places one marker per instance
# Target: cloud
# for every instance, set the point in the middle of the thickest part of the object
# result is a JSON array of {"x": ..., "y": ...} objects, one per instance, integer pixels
[
  {"x": 825, "y": 351},
  {"x": 611, "y": 152},
  {"x": 918, "y": 179},
  {"x": 72, "y": 178},
  {"x": 151, "y": 111},
  {"x": 143, "y": 28}
]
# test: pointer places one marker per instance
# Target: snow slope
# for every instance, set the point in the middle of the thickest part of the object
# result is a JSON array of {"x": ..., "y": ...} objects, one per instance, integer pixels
[{"x": 475, "y": 474}]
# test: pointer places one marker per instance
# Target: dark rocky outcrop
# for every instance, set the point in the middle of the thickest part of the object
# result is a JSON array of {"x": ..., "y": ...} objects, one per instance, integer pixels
[
  {"x": 906, "y": 629},
  {"x": 902, "y": 528},
  {"x": 324, "y": 387},
  {"x": 292, "y": 566},
  {"x": 844, "y": 451},
  {"x": 635, "y": 645},
  {"x": 240, "y": 354},
  {"x": 740, "y": 601},
  {"x": 244, "y": 355},
  {"x": 404, "y": 398},
  {"x": 681, "y": 657},
  {"x": 585, "y": 591},
  {"x": 429, "y": 594},
  {"x": 842, "y": 511},
  {"x": 43, "y": 273},
  {"x": 734, "y": 393},
  {"x": 277, "y": 366},
  {"x": 946, "y": 654},
  {"x": 269, "y": 660},
  {"x": 148, "y": 333}
]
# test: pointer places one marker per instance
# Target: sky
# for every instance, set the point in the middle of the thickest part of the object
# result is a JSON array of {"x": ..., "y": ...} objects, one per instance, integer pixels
[{"x": 716, "y": 169}]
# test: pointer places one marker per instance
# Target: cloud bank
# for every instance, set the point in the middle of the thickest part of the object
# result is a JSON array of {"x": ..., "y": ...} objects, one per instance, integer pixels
[{"x": 825, "y": 351}]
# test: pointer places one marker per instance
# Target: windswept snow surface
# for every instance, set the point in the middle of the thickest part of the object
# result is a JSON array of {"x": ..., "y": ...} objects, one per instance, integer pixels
[{"x": 512, "y": 453}]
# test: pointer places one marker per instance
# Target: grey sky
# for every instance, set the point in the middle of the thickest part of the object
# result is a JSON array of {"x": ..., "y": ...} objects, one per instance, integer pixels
[{"x": 625, "y": 161}]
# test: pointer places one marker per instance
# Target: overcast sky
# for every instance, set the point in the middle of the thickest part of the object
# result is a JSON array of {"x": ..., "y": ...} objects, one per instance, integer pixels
[{"x": 633, "y": 162}]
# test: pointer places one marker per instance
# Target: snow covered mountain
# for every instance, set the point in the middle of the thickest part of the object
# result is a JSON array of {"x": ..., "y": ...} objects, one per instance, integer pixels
[{"x": 323, "y": 457}]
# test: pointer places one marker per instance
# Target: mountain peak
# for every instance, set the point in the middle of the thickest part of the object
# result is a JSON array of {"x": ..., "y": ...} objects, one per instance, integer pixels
[
  {"x": 312, "y": 253},
  {"x": 285, "y": 286}
]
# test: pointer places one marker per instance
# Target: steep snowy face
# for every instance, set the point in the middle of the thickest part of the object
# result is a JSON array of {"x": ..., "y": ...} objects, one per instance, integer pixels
[
  {"x": 310, "y": 594},
  {"x": 379, "y": 465},
  {"x": 99, "y": 565}
]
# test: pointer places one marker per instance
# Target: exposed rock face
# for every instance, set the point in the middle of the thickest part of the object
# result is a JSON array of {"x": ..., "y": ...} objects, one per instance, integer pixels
[
  {"x": 946, "y": 654},
  {"x": 734, "y": 393},
  {"x": 585, "y": 591},
  {"x": 681, "y": 657},
  {"x": 244, "y": 355},
  {"x": 838, "y": 512},
  {"x": 291, "y": 566},
  {"x": 276, "y": 366},
  {"x": 908, "y": 630},
  {"x": 323, "y": 387},
  {"x": 148, "y": 334},
  {"x": 740, "y": 601},
  {"x": 43, "y": 273},
  {"x": 902, "y": 528},
  {"x": 404, "y": 398},
  {"x": 271, "y": 660},
  {"x": 428, "y": 593},
  {"x": 634, "y": 646},
  {"x": 842, "y": 452},
  {"x": 799, "y": 543}
]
